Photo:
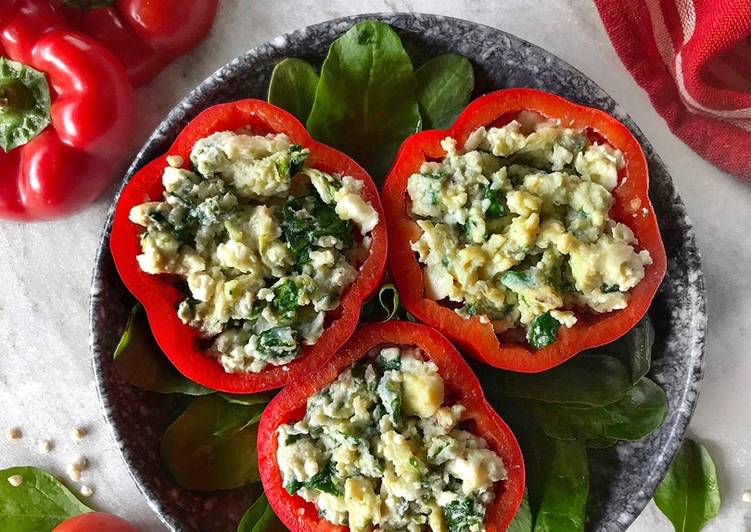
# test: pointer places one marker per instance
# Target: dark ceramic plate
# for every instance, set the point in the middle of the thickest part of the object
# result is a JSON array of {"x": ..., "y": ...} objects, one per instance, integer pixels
[{"x": 623, "y": 478}]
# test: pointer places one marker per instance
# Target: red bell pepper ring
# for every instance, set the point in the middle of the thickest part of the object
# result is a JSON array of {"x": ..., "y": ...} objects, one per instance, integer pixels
[
  {"x": 160, "y": 294},
  {"x": 631, "y": 197},
  {"x": 67, "y": 114},
  {"x": 290, "y": 404},
  {"x": 146, "y": 35}
]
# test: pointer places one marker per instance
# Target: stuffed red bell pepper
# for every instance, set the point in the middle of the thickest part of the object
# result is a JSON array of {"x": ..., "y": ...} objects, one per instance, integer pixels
[
  {"x": 146, "y": 35},
  {"x": 67, "y": 114},
  {"x": 393, "y": 433},
  {"x": 525, "y": 231},
  {"x": 251, "y": 247}
]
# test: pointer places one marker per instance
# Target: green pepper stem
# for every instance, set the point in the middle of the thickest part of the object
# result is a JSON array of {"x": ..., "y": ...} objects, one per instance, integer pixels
[{"x": 15, "y": 97}]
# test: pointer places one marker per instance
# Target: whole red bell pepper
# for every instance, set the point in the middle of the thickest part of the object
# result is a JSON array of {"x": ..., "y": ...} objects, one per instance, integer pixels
[
  {"x": 67, "y": 114},
  {"x": 160, "y": 295},
  {"x": 290, "y": 404},
  {"x": 631, "y": 207},
  {"x": 146, "y": 35}
]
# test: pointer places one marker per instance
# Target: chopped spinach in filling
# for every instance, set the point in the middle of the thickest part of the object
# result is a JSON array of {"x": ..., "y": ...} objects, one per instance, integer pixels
[
  {"x": 378, "y": 448},
  {"x": 516, "y": 227},
  {"x": 266, "y": 245}
]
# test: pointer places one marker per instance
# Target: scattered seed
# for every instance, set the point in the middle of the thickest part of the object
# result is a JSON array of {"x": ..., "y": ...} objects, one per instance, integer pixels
[
  {"x": 15, "y": 433},
  {"x": 79, "y": 432},
  {"x": 73, "y": 473},
  {"x": 86, "y": 491},
  {"x": 15, "y": 480},
  {"x": 45, "y": 446}
]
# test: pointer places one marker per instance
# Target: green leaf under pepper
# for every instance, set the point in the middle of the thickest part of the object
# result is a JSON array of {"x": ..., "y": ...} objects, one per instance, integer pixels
[
  {"x": 260, "y": 517},
  {"x": 366, "y": 103},
  {"x": 584, "y": 380},
  {"x": 444, "y": 87},
  {"x": 638, "y": 413},
  {"x": 212, "y": 445},
  {"x": 634, "y": 349},
  {"x": 689, "y": 494},
  {"x": 40, "y": 502},
  {"x": 557, "y": 482},
  {"x": 139, "y": 360},
  {"x": 293, "y": 87}
]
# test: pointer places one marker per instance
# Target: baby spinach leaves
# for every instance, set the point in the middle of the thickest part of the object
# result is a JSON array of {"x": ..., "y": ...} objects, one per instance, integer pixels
[
  {"x": 594, "y": 400},
  {"x": 139, "y": 360},
  {"x": 689, "y": 494},
  {"x": 40, "y": 502},
  {"x": 634, "y": 349},
  {"x": 368, "y": 98},
  {"x": 293, "y": 87},
  {"x": 212, "y": 445},
  {"x": 260, "y": 517},
  {"x": 558, "y": 483},
  {"x": 365, "y": 102},
  {"x": 384, "y": 306},
  {"x": 585, "y": 380},
  {"x": 444, "y": 86},
  {"x": 523, "y": 521},
  {"x": 635, "y": 415}
]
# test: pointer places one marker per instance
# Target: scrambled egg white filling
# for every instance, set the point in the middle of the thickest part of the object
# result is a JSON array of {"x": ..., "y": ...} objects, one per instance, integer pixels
[
  {"x": 379, "y": 448},
  {"x": 266, "y": 245},
  {"x": 516, "y": 227}
]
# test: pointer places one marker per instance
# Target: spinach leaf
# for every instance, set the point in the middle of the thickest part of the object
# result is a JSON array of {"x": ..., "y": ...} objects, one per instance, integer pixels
[
  {"x": 444, "y": 86},
  {"x": 293, "y": 87},
  {"x": 323, "y": 481},
  {"x": 543, "y": 331},
  {"x": 292, "y": 162},
  {"x": 366, "y": 103},
  {"x": 384, "y": 306},
  {"x": 639, "y": 412},
  {"x": 260, "y": 517},
  {"x": 634, "y": 349},
  {"x": 278, "y": 341},
  {"x": 302, "y": 227},
  {"x": 285, "y": 297},
  {"x": 558, "y": 483},
  {"x": 460, "y": 515},
  {"x": 212, "y": 445},
  {"x": 523, "y": 520},
  {"x": 584, "y": 380},
  {"x": 248, "y": 400},
  {"x": 497, "y": 206},
  {"x": 689, "y": 494},
  {"x": 41, "y": 502},
  {"x": 139, "y": 360}
]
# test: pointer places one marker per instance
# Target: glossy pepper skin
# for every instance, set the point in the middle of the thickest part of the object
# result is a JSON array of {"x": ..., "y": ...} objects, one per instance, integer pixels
[
  {"x": 631, "y": 197},
  {"x": 146, "y": 35},
  {"x": 69, "y": 163},
  {"x": 461, "y": 384},
  {"x": 160, "y": 294}
]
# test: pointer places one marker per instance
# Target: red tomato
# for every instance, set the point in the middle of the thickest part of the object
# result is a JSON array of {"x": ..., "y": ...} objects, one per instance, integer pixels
[{"x": 95, "y": 522}]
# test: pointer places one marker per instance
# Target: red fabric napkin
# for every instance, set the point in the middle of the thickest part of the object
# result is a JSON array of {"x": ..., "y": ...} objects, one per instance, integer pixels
[{"x": 693, "y": 57}]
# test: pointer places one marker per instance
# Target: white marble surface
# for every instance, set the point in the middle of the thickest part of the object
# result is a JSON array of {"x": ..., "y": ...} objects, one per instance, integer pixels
[{"x": 46, "y": 380}]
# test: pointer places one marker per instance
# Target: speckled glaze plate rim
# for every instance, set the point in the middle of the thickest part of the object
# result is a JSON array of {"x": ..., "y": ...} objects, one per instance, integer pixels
[{"x": 689, "y": 394}]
